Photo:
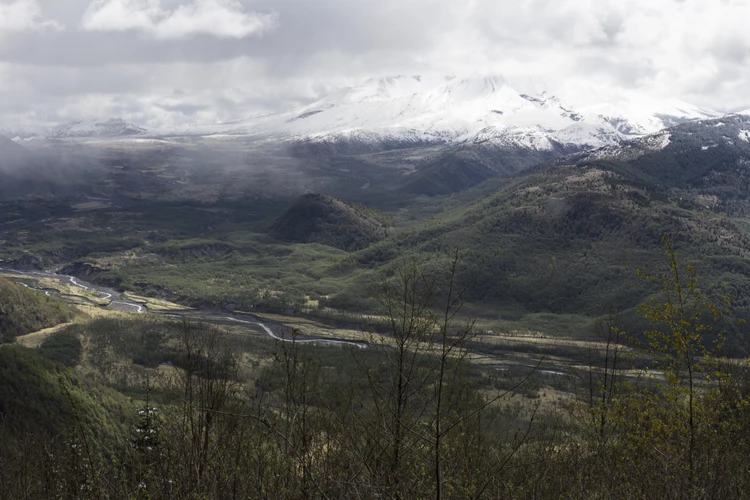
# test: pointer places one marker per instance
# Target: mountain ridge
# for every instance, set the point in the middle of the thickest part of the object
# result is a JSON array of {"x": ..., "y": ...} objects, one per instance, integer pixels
[
  {"x": 75, "y": 129},
  {"x": 413, "y": 109},
  {"x": 402, "y": 111}
]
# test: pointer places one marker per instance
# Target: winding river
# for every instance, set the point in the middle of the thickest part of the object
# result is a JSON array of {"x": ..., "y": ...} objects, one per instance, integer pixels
[{"x": 116, "y": 303}]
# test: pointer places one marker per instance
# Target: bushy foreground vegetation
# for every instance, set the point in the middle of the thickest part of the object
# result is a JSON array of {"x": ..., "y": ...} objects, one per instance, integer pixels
[{"x": 223, "y": 415}]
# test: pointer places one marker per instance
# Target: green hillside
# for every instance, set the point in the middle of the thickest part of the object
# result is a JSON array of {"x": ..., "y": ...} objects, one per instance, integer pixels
[
  {"x": 25, "y": 311},
  {"x": 567, "y": 238}
]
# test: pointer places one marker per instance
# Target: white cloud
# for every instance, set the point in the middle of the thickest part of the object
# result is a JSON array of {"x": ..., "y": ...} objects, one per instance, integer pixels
[
  {"x": 116, "y": 62},
  {"x": 23, "y": 15},
  {"x": 693, "y": 49},
  {"x": 122, "y": 15},
  {"x": 219, "y": 18}
]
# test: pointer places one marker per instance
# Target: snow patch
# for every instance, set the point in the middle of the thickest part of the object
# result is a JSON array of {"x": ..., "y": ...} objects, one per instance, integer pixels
[{"x": 659, "y": 141}]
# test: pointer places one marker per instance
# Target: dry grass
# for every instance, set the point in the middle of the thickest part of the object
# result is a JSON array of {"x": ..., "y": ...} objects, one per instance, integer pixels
[
  {"x": 92, "y": 312},
  {"x": 35, "y": 339},
  {"x": 84, "y": 314},
  {"x": 312, "y": 328},
  {"x": 546, "y": 341},
  {"x": 155, "y": 304}
]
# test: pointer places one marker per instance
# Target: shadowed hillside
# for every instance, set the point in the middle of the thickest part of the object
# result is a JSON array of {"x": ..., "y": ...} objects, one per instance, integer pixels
[
  {"x": 316, "y": 218},
  {"x": 468, "y": 165}
]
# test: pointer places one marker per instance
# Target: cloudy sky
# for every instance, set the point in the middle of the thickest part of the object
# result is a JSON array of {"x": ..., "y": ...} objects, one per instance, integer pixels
[{"x": 166, "y": 62}]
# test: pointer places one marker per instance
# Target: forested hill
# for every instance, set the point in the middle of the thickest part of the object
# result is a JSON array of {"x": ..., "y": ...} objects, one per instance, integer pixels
[
  {"x": 315, "y": 218},
  {"x": 568, "y": 237}
]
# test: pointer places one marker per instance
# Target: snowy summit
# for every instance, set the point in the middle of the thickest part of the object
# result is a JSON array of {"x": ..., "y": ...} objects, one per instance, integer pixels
[{"x": 414, "y": 109}]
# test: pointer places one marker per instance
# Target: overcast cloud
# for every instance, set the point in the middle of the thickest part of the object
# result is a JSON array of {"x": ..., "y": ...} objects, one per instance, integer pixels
[{"x": 167, "y": 62}]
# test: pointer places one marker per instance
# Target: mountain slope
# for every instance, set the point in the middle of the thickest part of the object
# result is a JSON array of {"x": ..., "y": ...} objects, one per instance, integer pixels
[
  {"x": 114, "y": 127},
  {"x": 710, "y": 154},
  {"x": 414, "y": 110},
  {"x": 568, "y": 238},
  {"x": 466, "y": 165}
]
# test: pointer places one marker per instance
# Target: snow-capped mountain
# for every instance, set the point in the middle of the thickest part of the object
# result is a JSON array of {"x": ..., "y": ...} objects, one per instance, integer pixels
[
  {"x": 729, "y": 133},
  {"x": 486, "y": 110},
  {"x": 78, "y": 129},
  {"x": 405, "y": 110},
  {"x": 20, "y": 135},
  {"x": 114, "y": 127}
]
